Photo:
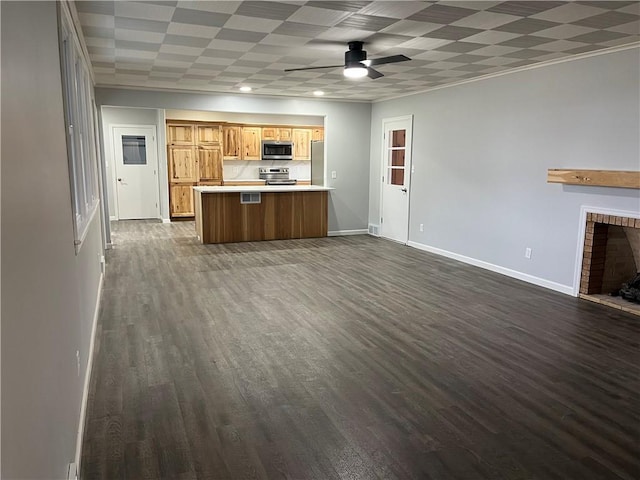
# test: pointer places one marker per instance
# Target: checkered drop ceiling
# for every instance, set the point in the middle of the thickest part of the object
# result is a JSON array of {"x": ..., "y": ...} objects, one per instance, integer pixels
[{"x": 219, "y": 46}]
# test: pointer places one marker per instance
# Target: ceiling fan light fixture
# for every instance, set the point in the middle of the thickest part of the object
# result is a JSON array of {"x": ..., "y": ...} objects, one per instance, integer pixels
[
  {"x": 318, "y": 93},
  {"x": 245, "y": 89},
  {"x": 355, "y": 71}
]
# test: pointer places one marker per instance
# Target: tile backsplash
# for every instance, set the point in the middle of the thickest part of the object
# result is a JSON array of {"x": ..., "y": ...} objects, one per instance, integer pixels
[{"x": 248, "y": 169}]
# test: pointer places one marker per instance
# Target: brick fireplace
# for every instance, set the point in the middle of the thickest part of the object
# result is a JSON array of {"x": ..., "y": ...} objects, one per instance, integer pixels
[{"x": 611, "y": 257}]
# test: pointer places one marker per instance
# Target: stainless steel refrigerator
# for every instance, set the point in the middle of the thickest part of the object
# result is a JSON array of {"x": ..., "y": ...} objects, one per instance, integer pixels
[{"x": 317, "y": 163}]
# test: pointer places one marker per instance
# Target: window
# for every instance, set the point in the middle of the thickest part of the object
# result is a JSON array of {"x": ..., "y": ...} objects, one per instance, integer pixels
[
  {"x": 134, "y": 151},
  {"x": 81, "y": 133}
]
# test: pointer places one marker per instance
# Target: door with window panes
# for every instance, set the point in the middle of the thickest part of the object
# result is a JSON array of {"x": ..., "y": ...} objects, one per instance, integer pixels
[{"x": 396, "y": 175}]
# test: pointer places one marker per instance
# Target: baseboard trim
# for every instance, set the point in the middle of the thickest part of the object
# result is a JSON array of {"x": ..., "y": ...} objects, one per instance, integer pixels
[
  {"x": 87, "y": 377},
  {"x": 341, "y": 233},
  {"x": 541, "y": 282},
  {"x": 112, "y": 218},
  {"x": 166, "y": 220}
]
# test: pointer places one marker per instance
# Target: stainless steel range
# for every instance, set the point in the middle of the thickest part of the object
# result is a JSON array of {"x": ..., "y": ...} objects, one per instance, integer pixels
[{"x": 276, "y": 176}]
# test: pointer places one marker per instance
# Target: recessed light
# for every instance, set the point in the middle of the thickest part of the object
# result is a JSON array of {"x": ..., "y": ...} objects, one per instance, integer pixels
[
  {"x": 318, "y": 93},
  {"x": 245, "y": 89}
]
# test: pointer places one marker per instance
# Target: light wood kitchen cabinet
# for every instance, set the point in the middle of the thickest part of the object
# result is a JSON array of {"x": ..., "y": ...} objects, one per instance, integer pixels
[
  {"x": 281, "y": 134},
  {"x": 181, "y": 200},
  {"x": 210, "y": 164},
  {"x": 209, "y": 134},
  {"x": 231, "y": 142},
  {"x": 251, "y": 143},
  {"x": 301, "y": 143},
  {"x": 317, "y": 134},
  {"x": 180, "y": 134},
  {"x": 182, "y": 164}
]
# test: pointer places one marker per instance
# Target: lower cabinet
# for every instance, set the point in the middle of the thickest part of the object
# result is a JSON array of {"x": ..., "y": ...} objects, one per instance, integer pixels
[{"x": 181, "y": 199}]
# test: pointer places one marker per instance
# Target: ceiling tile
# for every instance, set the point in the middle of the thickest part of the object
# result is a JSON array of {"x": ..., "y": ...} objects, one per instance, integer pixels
[
  {"x": 191, "y": 30},
  {"x": 442, "y": 14},
  {"x": 411, "y": 28},
  {"x": 142, "y": 25},
  {"x": 270, "y": 10},
  {"x": 198, "y": 17},
  {"x": 318, "y": 16},
  {"x": 96, "y": 20},
  {"x": 186, "y": 41},
  {"x": 564, "y": 31},
  {"x": 568, "y": 13},
  {"x": 145, "y": 11},
  {"x": 605, "y": 20},
  {"x": 524, "y": 8},
  {"x": 525, "y": 41},
  {"x": 299, "y": 29},
  {"x": 598, "y": 36},
  {"x": 105, "y": 8},
  {"x": 485, "y": 20},
  {"x": 450, "y": 32},
  {"x": 129, "y": 45},
  {"x": 240, "y": 35},
  {"x": 491, "y": 37},
  {"x": 397, "y": 10},
  {"x": 252, "y": 24},
  {"x": 526, "y": 26},
  {"x": 211, "y": 6},
  {"x": 341, "y": 5},
  {"x": 366, "y": 22},
  {"x": 460, "y": 47}
]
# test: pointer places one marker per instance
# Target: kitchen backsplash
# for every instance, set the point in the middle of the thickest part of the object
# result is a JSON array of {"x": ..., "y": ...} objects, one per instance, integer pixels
[{"x": 248, "y": 169}]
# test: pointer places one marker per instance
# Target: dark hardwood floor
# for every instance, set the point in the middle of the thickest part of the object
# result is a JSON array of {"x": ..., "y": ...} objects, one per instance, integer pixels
[{"x": 349, "y": 357}]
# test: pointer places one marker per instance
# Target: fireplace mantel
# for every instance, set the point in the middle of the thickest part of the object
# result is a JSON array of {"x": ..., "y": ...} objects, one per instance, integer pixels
[{"x": 600, "y": 178}]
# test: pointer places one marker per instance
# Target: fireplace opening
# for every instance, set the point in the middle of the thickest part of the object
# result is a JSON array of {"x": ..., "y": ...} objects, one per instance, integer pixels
[{"x": 611, "y": 261}]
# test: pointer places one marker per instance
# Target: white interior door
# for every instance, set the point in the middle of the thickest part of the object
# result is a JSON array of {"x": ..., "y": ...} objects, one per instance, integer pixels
[
  {"x": 396, "y": 178},
  {"x": 136, "y": 169}
]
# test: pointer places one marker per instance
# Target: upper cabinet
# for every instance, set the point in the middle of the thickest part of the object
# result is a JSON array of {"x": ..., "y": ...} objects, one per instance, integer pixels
[
  {"x": 209, "y": 134},
  {"x": 317, "y": 134},
  {"x": 210, "y": 165},
  {"x": 251, "y": 143},
  {"x": 182, "y": 164},
  {"x": 301, "y": 143},
  {"x": 281, "y": 134},
  {"x": 231, "y": 142},
  {"x": 180, "y": 134}
]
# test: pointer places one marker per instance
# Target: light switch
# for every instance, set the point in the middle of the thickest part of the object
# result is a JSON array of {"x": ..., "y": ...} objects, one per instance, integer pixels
[{"x": 334, "y": 174}]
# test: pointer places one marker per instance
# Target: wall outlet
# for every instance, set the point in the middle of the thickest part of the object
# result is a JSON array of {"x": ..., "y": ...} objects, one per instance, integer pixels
[
  {"x": 236, "y": 170},
  {"x": 527, "y": 253},
  {"x": 334, "y": 174},
  {"x": 78, "y": 361},
  {"x": 422, "y": 227}
]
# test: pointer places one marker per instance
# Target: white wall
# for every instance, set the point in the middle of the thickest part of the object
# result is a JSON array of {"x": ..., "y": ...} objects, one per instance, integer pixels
[
  {"x": 347, "y": 128},
  {"x": 129, "y": 116},
  {"x": 49, "y": 294},
  {"x": 481, "y": 153}
]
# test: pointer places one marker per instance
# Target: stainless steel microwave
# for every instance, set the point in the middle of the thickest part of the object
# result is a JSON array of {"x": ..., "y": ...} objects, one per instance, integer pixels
[{"x": 274, "y": 150}]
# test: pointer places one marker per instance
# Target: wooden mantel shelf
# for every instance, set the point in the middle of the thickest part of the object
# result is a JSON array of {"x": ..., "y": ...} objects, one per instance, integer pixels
[{"x": 600, "y": 178}]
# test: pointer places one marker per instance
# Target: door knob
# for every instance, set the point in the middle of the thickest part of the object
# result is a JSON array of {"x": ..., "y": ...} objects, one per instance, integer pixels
[
  {"x": 404, "y": 190},
  {"x": 119, "y": 179}
]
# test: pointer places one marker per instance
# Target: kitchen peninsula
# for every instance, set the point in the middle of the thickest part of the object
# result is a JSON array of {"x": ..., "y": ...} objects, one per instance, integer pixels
[{"x": 226, "y": 214}]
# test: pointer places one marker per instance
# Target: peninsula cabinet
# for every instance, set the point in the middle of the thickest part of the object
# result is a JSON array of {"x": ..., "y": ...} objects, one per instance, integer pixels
[
  {"x": 231, "y": 142},
  {"x": 209, "y": 165},
  {"x": 301, "y": 143},
  {"x": 180, "y": 134},
  {"x": 281, "y": 134},
  {"x": 251, "y": 143}
]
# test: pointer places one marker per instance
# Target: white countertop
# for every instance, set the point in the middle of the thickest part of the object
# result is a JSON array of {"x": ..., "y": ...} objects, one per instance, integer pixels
[{"x": 262, "y": 188}]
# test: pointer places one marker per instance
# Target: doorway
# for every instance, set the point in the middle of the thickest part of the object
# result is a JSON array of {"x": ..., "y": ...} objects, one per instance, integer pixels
[
  {"x": 136, "y": 172},
  {"x": 396, "y": 178}
]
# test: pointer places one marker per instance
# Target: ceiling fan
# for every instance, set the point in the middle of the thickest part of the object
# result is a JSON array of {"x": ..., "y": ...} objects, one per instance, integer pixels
[{"x": 356, "y": 64}]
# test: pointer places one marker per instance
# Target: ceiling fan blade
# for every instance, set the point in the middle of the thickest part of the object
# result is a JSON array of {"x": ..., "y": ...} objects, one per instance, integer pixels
[
  {"x": 311, "y": 68},
  {"x": 373, "y": 74},
  {"x": 391, "y": 59}
]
